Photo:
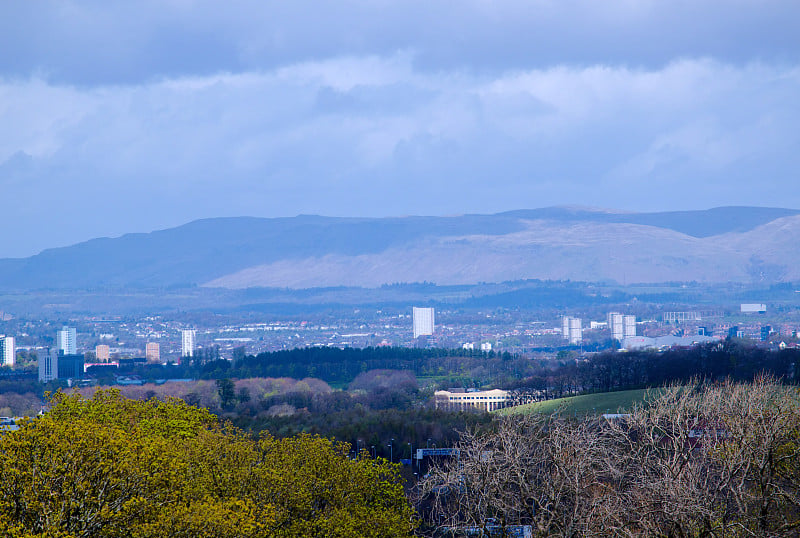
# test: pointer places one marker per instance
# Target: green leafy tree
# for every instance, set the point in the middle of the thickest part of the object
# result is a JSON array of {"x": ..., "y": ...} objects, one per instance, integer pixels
[
  {"x": 227, "y": 392},
  {"x": 108, "y": 466}
]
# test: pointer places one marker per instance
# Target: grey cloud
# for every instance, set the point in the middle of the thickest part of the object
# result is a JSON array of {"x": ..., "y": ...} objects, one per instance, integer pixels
[{"x": 96, "y": 42}]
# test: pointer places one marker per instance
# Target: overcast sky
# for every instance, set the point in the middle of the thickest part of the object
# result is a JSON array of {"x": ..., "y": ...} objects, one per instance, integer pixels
[{"x": 121, "y": 117}]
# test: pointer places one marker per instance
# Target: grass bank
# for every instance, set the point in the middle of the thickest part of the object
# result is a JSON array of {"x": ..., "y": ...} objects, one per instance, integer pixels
[{"x": 586, "y": 404}]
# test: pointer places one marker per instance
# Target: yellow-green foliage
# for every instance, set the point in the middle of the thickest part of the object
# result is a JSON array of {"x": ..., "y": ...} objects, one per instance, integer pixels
[{"x": 108, "y": 466}]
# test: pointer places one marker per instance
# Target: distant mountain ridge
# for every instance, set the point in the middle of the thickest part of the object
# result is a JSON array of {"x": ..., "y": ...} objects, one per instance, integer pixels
[
  {"x": 703, "y": 223},
  {"x": 720, "y": 244}
]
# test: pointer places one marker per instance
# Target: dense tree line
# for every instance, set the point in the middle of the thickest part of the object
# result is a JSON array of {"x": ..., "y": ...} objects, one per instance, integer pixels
[
  {"x": 610, "y": 371},
  {"x": 336, "y": 365},
  {"x": 568, "y": 373},
  {"x": 340, "y": 366}
]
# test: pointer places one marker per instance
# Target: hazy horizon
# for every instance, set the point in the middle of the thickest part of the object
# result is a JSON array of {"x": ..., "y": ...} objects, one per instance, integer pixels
[{"x": 120, "y": 118}]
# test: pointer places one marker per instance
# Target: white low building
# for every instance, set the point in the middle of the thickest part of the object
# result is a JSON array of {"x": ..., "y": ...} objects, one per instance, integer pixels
[{"x": 460, "y": 399}]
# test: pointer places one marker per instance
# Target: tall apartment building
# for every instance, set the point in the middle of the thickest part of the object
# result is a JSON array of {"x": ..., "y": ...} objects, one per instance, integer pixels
[
  {"x": 616, "y": 324},
  {"x": 572, "y": 329},
  {"x": 423, "y": 321},
  {"x": 152, "y": 352},
  {"x": 9, "y": 352},
  {"x": 102, "y": 352},
  {"x": 67, "y": 341},
  {"x": 188, "y": 342},
  {"x": 621, "y": 326},
  {"x": 48, "y": 365},
  {"x": 629, "y": 323}
]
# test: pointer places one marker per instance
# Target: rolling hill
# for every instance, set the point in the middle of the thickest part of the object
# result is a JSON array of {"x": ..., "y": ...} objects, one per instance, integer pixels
[{"x": 741, "y": 244}]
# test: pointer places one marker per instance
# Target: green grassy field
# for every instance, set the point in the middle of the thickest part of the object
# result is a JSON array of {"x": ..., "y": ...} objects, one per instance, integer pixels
[{"x": 587, "y": 404}]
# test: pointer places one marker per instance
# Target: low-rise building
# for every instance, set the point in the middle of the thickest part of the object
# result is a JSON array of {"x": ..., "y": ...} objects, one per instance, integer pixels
[
  {"x": 662, "y": 342},
  {"x": 461, "y": 399}
]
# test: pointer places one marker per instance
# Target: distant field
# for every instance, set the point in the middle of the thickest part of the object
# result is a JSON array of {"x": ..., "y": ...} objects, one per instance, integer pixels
[{"x": 587, "y": 404}]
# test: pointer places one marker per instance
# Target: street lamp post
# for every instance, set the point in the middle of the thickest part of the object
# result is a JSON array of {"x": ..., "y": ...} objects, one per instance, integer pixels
[
  {"x": 411, "y": 449},
  {"x": 373, "y": 451},
  {"x": 428, "y": 443},
  {"x": 391, "y": 451}
]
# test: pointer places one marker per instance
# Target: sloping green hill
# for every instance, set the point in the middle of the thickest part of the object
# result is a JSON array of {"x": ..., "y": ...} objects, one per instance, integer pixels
[{"x": 586, "y": 404}]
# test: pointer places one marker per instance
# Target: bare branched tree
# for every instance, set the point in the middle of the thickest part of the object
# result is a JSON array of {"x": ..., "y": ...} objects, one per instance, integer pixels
[{"x": 697, "y": 460}]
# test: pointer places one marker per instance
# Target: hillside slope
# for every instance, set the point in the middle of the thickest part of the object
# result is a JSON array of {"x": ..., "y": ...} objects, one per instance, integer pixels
[{"x": 722, "y": 244}]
